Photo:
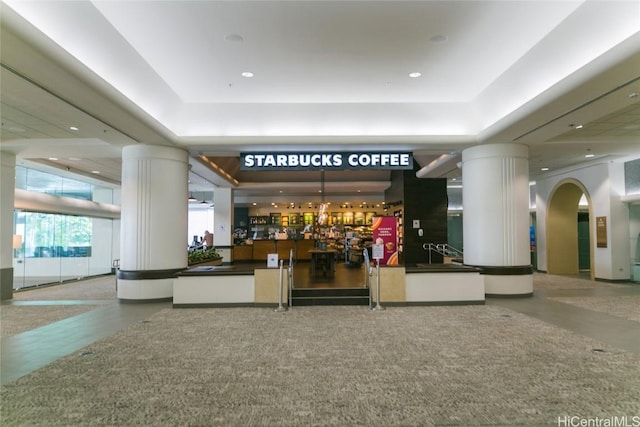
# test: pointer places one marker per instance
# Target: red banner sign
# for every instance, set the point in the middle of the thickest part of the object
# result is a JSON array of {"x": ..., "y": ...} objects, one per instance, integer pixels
[{"x": 385, "y": 232}]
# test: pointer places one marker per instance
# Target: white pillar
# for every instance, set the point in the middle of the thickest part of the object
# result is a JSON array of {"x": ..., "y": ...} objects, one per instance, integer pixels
[
  {"x": 7, "y": 194},
  {"x": 153, "y": 221},
  {"x": 223, "y": 222},
  {"x": 495, "y": 198}
]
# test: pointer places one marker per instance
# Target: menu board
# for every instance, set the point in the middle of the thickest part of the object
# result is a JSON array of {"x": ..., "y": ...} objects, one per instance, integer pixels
[
  {"x": 347, "y": 217},
  {"x": 307, "y": 218}
]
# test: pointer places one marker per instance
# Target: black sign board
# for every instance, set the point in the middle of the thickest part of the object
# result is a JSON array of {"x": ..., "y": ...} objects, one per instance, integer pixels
[{"x": 326, "y": 161}]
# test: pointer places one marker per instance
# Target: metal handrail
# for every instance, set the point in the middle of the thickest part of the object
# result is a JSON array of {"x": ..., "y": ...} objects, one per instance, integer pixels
[
  {"x": 115, "y": 264},
  {"x": 290, "y": 281},
  {"x": 280, "y": 308},
  {"x": 368, "y": 272},
  {"x": 442, "y": 249}
]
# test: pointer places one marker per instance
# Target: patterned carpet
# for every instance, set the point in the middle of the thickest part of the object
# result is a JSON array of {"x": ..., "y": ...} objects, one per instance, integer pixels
[
  {"x": 15, "y": 319},
  {"x": 330, "y": 366}
]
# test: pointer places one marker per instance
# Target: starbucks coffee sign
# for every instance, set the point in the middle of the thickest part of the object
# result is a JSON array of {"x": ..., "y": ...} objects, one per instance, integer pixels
[{"x": 327, "y": 161}]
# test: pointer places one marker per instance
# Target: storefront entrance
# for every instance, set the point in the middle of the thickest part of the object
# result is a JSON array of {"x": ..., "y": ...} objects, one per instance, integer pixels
[{"x": 345, "y": 275}]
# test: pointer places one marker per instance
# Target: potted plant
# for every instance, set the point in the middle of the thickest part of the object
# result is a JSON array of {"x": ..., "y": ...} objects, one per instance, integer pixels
[{"x": 204, "y": 257}]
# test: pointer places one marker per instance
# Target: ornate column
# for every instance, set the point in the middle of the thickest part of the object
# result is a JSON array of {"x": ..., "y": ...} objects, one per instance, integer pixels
[
  {"x": 153, "y": 221},
  {"x": 495, "y": 199}
]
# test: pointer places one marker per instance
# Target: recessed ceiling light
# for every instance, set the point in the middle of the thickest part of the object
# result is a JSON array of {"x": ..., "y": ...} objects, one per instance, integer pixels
[
  {"x": 415, "y": 74},
  {"x": 53, "y": 158},
  {"x": 544, "y": 169},
  {"x": 73, "y": 128},
  {"x": 235, "y": 38},
  {"x": 589, "y": 155},
  {"x": 438, "y": 39},
  {"x": 254, "y": 203},
  {"x": 579, "y": 126},
  {"x": 96, "y": 172},
  {"x": 247, "y": 74}
]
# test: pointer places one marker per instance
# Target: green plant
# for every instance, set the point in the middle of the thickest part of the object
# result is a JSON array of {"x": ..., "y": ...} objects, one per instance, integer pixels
[{"x": 210, "y": 254}]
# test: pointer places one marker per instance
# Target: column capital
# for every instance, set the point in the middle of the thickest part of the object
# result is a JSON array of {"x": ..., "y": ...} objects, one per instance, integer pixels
[{"x": 507, "y": 149}]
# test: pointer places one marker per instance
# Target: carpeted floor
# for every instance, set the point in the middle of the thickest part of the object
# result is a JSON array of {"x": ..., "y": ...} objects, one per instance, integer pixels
[
  {"x": 15, "y": 319},
  {"x": 330, "y": 366}
]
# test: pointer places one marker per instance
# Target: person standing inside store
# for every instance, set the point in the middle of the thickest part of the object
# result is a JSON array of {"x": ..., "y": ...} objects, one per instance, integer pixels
[{"x": 208, "y": 239}]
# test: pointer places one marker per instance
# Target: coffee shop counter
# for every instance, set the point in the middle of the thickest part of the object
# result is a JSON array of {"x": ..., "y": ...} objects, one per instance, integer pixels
[{"x": 259, "y": 249}]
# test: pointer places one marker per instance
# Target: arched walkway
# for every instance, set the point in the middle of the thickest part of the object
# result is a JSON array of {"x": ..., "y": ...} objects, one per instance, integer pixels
[{"x": 562, "y": 228}]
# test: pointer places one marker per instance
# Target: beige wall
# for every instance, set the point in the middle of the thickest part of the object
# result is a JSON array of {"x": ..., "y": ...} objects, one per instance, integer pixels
[
  {"x": 266, "y": 285},
  {"x": 392, "y": 284}
]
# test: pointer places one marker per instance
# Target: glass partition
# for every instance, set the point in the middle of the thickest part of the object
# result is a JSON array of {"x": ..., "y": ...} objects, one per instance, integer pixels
[{"x": 53, "y": 248}]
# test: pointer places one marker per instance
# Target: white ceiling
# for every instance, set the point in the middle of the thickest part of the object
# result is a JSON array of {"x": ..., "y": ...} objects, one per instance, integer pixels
[{"x": 326, "y": 74}]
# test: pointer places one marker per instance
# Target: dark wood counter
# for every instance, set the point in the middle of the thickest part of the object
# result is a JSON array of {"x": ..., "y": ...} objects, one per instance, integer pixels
[
  {"x": 243, "y": 253},
  {"x": 260, "y": 248}
]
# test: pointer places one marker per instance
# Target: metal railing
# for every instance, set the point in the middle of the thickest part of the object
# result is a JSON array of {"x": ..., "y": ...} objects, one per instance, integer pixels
[
  {"x": 442, "y": 249},
  {"x": 290, "y": 281},
  {"x": 281, "y": 307},
  {"x": 115, "y": 266},
  {"x": 368, "y": 272}
]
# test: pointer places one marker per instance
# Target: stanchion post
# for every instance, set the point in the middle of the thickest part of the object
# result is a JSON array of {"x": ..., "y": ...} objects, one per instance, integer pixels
[
  {"x": 378, "y": 307},
  {"x": 280, "y": 308},
  {"x": 290, "y": 282}
]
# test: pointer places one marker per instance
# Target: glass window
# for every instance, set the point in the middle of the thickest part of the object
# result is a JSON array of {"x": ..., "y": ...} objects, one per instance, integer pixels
[
  {"x": 55, "y": 248},
  {"x": 44, "y": 182}
]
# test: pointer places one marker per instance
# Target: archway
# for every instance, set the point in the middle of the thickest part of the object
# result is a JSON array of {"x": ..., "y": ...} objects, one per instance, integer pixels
[{"x": 562, "y": 229}]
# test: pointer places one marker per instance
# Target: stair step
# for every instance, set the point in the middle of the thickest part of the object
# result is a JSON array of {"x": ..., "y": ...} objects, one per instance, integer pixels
[
  {"x": 329, "y": 296},
  {"x": 323, "y": 292},
  {"x": 297, "y": 302}
]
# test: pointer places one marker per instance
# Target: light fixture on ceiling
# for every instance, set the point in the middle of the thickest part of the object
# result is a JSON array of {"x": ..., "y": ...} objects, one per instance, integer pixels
[
  {"x": 74, "y": 128},
  {"x": 234, "y": 38},
  {"x": 96, "y": 172},
  {"x": 247, "y": 74},
  {"x": 53, "y": 158},
  {"x": 588, "y": 156},
  {"x": 191, "y": 198},
  {"x": 579, "y": 126},
  {"x": 415, "y": 74},
  {"x": 544, "y": 169},
  {"x": 633, "y": 95},
  {"x": 439, "y": 39}
]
